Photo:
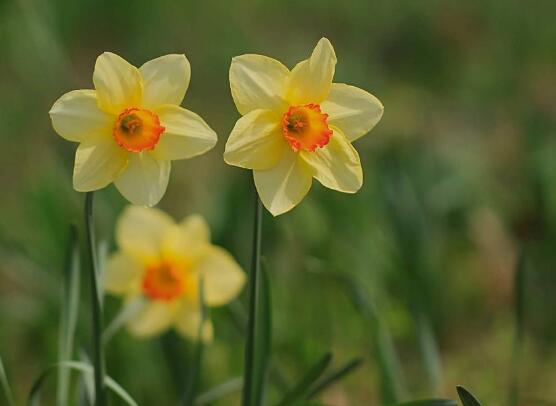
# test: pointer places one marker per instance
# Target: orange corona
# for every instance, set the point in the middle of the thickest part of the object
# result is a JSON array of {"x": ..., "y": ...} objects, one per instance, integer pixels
[
  {"x": 306, "y": 127},
  {"x": 164, "y": 281},
  {"x": 137, "y": 130}
]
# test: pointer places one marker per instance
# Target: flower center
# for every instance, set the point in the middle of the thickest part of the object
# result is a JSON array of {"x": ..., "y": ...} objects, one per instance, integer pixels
[
  {"x": 137, "y": 129},
  {"x": 305, "y": 127},
  {"x": 164, "y": 281}
]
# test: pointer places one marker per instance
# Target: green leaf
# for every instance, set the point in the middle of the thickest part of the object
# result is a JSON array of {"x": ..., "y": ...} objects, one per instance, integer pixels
[
  {"x": 430, "y": 402},
  {"x": 300, "y": 390},
  {"x": 96, "y": 303},
  {"x": 127, "y": 312},
  {"x": 70, "y": 310},
  {"x": 259, "y": 321},
  {"x": 264, "y": 339},
  {"x": 466, "y": 397},
  {"x": 219, "y": 391},
  {"x": 6, "y": 385},
  {"x": 519, "y": 310},
  {"x": 334, "y": 377},
  {"x": 34, "y": 394},
  {"x": 392, "y": 382}
]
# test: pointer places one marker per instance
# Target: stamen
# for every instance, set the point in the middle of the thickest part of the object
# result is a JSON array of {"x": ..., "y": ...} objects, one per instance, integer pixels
[
  {"x": 305, "y": 127},
  {"x": 137, "y": 130}
]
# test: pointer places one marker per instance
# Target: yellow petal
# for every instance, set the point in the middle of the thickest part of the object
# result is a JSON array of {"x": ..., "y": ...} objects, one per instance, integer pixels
[
  {"x": 98, "y": 161},
  {"x": 145, "y": 179},
  {"x": 257, "y": 82},
  {"x": 165, "y": 80},
  {"x": 352, "y": 110},
  {"x": 75, "y": 116},
  {"x": 223, "y": 278},
  {"x": 122, "y": 275},
  {"x": 336, "y": 165},
  {"x": 153, "y": 318},
  {"x": 117, "y": 82},
  {"x": 186, "y": 134},
  {"x": 187, "y": 239},
  {"x": 311, "y": 79},
  {"x": 188, "y": 319},
  {"x": 140, "y": 232},
  {"x": 284, "y": 186},
  {"x": 256, "y": 141}
]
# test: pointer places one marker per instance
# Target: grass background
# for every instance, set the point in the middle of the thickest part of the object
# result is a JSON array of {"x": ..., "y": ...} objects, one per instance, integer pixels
[{"x": 460, "y": 176}]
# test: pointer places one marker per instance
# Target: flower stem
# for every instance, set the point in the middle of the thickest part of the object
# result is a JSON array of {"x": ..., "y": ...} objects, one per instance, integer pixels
[
  {"x": 98, "y": 355},
  {"x": 254, "y": 288}
]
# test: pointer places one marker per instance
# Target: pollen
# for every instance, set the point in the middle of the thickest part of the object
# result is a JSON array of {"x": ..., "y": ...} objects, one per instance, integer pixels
[
  {"x": 164, "y": 281},
  {"x": 305, "y": 127},
  {"x": 137, "y": 130}
]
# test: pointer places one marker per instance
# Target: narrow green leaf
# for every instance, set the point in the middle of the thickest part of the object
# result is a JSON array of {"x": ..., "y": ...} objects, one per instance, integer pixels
[
  {"x": 6, "y": 385},
  {"x": 34, "y": 394},
  {"x": 250, "y": 390},
  {"x": 263, "y": 342},
  {"x": 69, "y": 310},
  {"x": 334, "y": 377},
  {"x": 219, "y": 391},
  {"x": 96, "y": 303},
  {"x": 127, "y": 312},
  {"x": 430, "y": 402},
  {"x": 519, "y": 311},
  {"x": 466, "y": 397},
  {"x": 392, "y": 382},
  {"x": 300, "y": 390},
  {"x": 193, "y": 375}
]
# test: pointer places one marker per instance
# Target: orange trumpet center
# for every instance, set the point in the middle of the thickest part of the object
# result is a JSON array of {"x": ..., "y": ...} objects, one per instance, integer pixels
[
  {"x": 164, "y": 281},
  {"x": 137, "y": 129},
  {"x": 305, "y": 127}
]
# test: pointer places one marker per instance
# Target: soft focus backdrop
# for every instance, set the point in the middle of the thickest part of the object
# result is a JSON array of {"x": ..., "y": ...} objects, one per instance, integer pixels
[{"x": 460, "y": 177}]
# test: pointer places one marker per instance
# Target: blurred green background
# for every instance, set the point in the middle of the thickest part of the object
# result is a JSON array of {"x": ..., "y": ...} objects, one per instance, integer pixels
[{"x": 460, "y": 177}]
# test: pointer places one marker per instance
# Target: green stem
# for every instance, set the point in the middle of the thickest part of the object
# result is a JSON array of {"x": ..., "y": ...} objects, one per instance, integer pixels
[
  {"x": 253, "y": 299},
  {"x": 98, "y": 356}
]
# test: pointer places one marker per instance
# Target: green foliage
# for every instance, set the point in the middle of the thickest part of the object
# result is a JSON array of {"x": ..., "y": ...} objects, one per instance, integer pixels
[
  {"x": 302, "y": 388},
  {"x": 466, "y": 397}
]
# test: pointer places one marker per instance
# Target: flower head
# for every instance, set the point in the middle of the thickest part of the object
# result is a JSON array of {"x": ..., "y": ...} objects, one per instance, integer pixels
[
  {"x": 297, "y": 125},
  {"x": 164, "y": 262},
  {"x": 131, "y": 126}
]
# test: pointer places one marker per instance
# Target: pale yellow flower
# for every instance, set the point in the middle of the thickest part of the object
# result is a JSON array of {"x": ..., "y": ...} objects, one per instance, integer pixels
[
  {"x": 131, "y": 126},
  {"x": 163, "y": 263},
  {"x": 297, "y": 125}
]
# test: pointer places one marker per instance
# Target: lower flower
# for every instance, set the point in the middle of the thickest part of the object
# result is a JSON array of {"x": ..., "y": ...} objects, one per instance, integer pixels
[{"x": 164, "y": 262}]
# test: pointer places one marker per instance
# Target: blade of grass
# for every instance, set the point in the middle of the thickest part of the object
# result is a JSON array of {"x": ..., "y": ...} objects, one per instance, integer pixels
[
  {"x": 6, "y": 385},
  {"x": 70, "y": 310},
  {"x": 238, "y": 316},
  {"x": 334, "y": 377},
  {"x": 466, "y": 397},
  {"x": 299, "y": 391},
  {"x": 88, "y": 380},
  {"x": 519, "y": 311},
  {"x": 193, "y": 376},
  {"x": 264, "y": 338},
  {"x": 34, "y": 394},
  {"x": 129, "y": 310},
  {"x": 98, "y": 356},
  {"x": 249, "y": 390},
  {"x": 219, "y": 391},
  {"x": 392, "y": 382}
]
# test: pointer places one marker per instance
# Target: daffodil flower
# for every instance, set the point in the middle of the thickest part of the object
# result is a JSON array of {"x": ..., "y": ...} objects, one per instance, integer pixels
[
  {"x": 162, "y": 262},
  {"x": 131, "y": 126},
  {"x": 297, "y": 125}
]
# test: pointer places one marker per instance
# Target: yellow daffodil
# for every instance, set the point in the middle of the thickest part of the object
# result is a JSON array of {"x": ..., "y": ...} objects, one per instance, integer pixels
[
  {"x": 297, "y": 125},
  {"x": 163, "y": 262},
  {"x": 131, "y": 126}
]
